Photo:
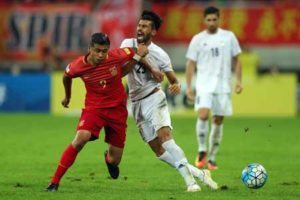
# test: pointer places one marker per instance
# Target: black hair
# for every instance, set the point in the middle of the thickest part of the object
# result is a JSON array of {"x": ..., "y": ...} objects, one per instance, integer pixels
[
  {"x": 152, "y": 16},
  {"x": 99, "y": 38},
  {"x": 211, "y": 10}
]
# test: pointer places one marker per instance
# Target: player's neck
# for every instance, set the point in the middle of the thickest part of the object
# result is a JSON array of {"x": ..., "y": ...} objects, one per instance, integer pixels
[
  {"x": 146, "y": 43},
  {"x": 212, "y": 31}
]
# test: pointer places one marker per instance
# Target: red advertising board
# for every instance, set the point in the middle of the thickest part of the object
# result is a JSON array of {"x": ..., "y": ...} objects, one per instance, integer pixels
[
  {"x": 256, "y": 25},
  {"x": 28, "y": 29}
]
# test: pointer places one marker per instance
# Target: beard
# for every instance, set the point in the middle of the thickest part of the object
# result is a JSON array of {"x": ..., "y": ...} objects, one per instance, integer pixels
[{"x": 143, "y": 39}]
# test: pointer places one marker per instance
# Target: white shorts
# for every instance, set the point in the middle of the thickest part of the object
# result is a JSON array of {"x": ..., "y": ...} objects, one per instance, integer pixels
[
  {"x": 219, "y": 104},
  {"x": 151, "y": 114}
]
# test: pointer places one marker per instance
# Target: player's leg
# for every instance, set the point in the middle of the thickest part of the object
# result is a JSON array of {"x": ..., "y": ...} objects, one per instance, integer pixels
[
  {"x": 180, "y": 161},
  {"x": 215, "y": 138},
  {"x": 202, "y": 105},
  {"x": 86, "y": 130},
  {"x": 115, "y": 136},
  {"x": 203, "y": 175},
  {"x": 68, "y": 157},
  {"x": 221, "y": 106},
  {"x": 113, "y": 158},
  {"x": 153, "y": 119}
]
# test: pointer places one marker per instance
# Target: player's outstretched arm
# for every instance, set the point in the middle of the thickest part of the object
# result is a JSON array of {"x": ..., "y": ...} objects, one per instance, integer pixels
[
  {"x": 67, "y": 81},
  {"x": 174, "y": 87}
]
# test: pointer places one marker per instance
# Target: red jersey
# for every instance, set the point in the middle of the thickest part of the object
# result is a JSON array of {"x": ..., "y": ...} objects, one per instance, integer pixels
[{"x": 103, "y": 82}]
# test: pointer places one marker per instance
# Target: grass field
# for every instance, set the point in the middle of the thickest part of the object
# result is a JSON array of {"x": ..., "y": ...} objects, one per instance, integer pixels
[{"x": 31, "y": 145}]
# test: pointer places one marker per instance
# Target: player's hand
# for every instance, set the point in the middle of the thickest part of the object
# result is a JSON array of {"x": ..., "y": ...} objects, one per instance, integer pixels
[
  {"x": 238, "y": 88},
  {"x": 190, "y": 94},
  {"x": 174, "y": 89},
  {"x": 65, "y": 102},
  {"x": 157, "y": 75},
  {"x": 142, "y": 50}
]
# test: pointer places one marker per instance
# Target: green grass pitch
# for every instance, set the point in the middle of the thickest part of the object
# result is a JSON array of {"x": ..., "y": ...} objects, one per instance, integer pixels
[{"x": 31, "y": 145}]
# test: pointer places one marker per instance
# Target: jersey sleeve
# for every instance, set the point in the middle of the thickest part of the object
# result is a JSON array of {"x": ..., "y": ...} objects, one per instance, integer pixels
[
  {"x": 72, "y": 71},
  {"x": 125, "y": 54},
  {"x": 236, "y": 49},
  {"x": 192, "y": 53},
  {"x": 128, "y": 43},
  {"x": 165, "y": 64}
]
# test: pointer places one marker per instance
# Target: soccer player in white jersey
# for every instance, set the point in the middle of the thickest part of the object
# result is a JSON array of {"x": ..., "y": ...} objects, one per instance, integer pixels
[
  {"x": 213, "y": 52},
  {"x": 150, "y": 107}
]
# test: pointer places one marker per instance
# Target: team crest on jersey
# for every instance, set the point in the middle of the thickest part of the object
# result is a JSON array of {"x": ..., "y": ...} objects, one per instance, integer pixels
[
  {"x": 113, "y": 70},
  {"x": 127, "y": 51},
  {"x": 102, "y": 83}
]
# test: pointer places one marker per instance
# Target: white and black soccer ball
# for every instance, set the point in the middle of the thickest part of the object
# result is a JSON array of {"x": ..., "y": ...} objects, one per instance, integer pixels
[{"x": 254, "y": 176}]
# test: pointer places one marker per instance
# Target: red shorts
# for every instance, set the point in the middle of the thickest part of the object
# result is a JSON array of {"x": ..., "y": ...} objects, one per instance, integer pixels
[{"x": 114, "y": 121}]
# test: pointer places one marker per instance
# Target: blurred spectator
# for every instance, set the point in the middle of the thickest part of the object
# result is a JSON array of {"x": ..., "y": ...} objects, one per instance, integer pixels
[{"x": 50, "y": 57}]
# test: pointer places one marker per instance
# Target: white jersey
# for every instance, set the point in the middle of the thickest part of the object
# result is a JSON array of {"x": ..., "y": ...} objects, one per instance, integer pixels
[
  {"x": 213, "y": 54},
  {"x": 140, "y": 81}
]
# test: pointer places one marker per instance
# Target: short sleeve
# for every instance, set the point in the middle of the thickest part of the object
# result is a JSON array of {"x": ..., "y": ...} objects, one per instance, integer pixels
[
  {"x": 125, "y": 53},
  {"x": 128, "y": 43},
  {"x": 235, "y": 47},
  {"x": 192, "y": 53},
  {"x": 71, "y": 71},
  {"x": 166, "y": 64}
]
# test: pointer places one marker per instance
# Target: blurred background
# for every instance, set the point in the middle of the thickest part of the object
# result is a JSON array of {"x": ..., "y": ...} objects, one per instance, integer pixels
[{"x": 39, "y": 38}]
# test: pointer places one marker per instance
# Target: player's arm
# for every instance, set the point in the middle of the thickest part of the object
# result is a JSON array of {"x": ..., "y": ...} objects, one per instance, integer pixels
[
  {"x": 174, "y": 87},
  {"x": 138, "y": 58},
  {"x": 138, "y": 54},
  {"x": 238, "y": 72},
  {"x": 189, "y": 73},
  {"x": 158, "y": 75},
  {"x": 67, "y": 81}
]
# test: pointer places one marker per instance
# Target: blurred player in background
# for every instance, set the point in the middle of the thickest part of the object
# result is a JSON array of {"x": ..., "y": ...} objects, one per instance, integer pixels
[
  {"x": 213, "y": 52},
  {"x": 149, "y": 104},
  {"x": 105, "y": 102}
]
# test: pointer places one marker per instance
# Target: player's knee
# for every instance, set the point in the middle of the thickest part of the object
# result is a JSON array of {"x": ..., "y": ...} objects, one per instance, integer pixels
[
  {"x": 203, "y": 116},
  {"x": 82, "y": 137},
  {"x": 218, "y": 120},
  {"x": 164, "y": 134}
]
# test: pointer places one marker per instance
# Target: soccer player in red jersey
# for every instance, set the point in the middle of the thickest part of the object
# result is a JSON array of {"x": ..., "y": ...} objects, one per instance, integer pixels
[{"x": 105, "y": 102}]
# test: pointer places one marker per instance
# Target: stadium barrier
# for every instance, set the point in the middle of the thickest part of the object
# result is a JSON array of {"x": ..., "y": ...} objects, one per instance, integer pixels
[
  {"x": 25, "y": 92},
  {"x": 268, "y": 95}
]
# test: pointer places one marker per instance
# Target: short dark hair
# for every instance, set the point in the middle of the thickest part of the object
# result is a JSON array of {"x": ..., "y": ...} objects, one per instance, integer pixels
[
  {"x": 152, "y": 16},
  {"x": 99, "y": 38},
  {"x": 211, "y": 10}
]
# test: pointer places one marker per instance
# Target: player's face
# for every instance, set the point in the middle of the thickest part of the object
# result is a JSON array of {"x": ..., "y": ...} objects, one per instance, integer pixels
[
  {"x": 98, "y": 53},
  {"x": 145, "y": 32},
  {"x": 212, "y": 22}
]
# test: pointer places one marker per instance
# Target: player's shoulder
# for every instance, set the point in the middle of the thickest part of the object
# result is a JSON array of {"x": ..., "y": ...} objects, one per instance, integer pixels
[
  {"x": 155, "y": 49},
  {"x": 199, "y": 36},
  {"x": 128, "y": 42},
  {"x": 225, "y": 32},
  {"x": 78, "y": 62},
  {"x": 117, "y": 52}
]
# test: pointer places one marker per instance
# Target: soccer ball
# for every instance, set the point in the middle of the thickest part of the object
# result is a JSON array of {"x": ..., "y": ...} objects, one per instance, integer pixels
[{"x": 254, "y": 176}]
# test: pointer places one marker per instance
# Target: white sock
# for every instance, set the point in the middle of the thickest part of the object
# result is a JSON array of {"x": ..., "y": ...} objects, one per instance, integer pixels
[
  {"x": 215, "y": 141},
  {"x": 180, "y": 161},
  {"x": 202, "y": 132},
  {"x": 167, "y": 158}
]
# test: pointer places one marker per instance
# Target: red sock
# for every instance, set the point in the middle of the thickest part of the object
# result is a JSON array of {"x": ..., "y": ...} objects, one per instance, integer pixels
[{"x": 67, "y": 159}]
